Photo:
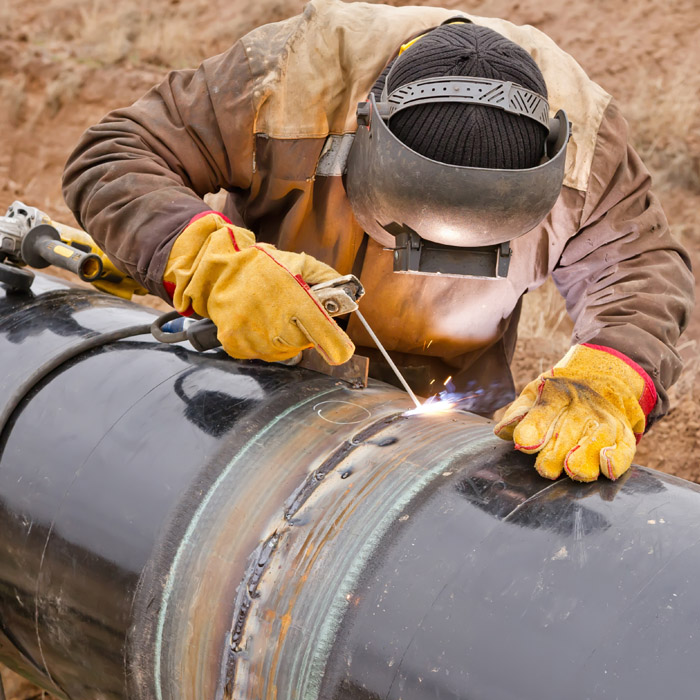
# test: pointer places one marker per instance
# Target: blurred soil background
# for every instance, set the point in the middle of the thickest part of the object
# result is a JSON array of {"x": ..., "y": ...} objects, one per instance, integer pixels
[{"x": 65, "y": 63}]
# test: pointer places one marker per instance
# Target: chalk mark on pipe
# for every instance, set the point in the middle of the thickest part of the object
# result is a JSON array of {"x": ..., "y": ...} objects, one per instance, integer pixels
[{"x": 319, "y": 411}]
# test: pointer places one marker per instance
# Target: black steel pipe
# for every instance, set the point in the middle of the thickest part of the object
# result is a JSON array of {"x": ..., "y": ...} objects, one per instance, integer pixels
[{"x": 181, "y": 526}]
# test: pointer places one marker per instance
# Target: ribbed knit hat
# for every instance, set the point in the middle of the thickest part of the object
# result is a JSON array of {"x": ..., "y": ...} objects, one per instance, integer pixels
[{"x": 465, "y": 134}]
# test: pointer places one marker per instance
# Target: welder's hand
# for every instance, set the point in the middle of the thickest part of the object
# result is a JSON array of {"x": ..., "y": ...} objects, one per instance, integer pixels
[
  {"x": 257, "y": 296},
  {"x": 584, "y": 416}
]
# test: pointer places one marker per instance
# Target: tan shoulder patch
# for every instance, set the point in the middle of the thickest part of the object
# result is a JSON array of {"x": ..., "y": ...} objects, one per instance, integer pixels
[{"x": 310, "y": 71}]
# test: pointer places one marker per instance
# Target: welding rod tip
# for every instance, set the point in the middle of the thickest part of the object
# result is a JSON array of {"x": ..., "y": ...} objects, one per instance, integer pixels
[{"x": 388, "y": 359}]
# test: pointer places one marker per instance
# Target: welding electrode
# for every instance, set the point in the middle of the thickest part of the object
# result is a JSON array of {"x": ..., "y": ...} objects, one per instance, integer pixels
[{"x": 404, "y": 383}]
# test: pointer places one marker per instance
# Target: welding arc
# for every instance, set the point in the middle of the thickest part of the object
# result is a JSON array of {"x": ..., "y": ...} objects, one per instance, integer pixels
[{"x": 387, "y": 358}]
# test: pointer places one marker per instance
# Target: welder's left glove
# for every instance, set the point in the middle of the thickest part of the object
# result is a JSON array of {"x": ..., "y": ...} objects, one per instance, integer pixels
[{"x": 584, "y": 416}]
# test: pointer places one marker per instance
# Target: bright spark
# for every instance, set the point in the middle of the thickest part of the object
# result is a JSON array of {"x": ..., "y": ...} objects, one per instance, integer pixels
[
  {"x": 431, "y": 407},
  {"x": 447, "y": 380}
]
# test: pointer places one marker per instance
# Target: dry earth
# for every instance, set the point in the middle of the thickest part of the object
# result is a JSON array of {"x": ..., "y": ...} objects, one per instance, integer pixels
[{"x": 65, "y": 63}]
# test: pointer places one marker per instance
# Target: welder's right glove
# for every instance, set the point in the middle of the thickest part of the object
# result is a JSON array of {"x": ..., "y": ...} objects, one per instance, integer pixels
[{"x": 258, "y": 296}]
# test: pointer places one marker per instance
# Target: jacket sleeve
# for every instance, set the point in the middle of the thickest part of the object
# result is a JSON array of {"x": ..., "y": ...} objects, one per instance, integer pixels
[
  {"x": 627, "y": 283},
  {"x": 137, "y": 178}
]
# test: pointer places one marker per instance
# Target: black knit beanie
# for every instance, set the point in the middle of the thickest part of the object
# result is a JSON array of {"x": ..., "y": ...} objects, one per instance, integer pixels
[{"x": 465, "y": 134}]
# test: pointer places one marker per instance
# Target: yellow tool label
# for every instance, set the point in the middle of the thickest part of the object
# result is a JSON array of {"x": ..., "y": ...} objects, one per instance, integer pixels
[{"x": 64, "y": 250}]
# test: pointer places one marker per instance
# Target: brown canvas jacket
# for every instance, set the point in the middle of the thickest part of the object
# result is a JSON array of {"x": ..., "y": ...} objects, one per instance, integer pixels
[{"x": 255, "y": 121}]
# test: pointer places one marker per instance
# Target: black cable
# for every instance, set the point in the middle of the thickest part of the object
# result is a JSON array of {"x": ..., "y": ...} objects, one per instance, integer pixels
[
  {"x": 88, "y": 344},
  {"x": 2, "y": 689},
  {"x": 164, "y": 336}
]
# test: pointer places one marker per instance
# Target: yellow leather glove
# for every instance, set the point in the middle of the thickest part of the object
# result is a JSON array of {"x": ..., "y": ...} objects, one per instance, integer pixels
[
  {"x": 585, "y": 416},
  {"x": 257, "y": 296}
]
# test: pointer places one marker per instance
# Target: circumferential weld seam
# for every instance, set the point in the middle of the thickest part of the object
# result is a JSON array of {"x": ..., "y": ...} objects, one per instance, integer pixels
[
  {"x": 311, "y": 483},
  {"x": 261, "y": 557}
]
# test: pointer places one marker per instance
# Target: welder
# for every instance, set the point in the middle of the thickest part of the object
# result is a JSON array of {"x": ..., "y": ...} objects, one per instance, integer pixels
[{"x": 453, "y": 162}]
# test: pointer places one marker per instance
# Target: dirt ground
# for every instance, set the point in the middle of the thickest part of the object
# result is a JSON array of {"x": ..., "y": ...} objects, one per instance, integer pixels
[{"x": 65, "y": 63}]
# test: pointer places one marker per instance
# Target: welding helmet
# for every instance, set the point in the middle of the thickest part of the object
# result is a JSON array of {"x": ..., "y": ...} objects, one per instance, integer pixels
[{"x": 450, "y": 219}]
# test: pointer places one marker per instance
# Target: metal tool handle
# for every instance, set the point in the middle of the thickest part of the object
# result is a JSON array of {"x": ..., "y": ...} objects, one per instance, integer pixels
[
  {"x": 111, "y": 280},
  {"x": 42, "y": 246}
]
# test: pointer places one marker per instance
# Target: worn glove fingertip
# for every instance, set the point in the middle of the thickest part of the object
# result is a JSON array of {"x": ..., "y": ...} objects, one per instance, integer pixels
[
  {"x": 329, "y": 339},
  {"x": 337, "y": 354},
  {"x": 615, "y": 461},
  {"x": 579, "y": 469},
  {"x": 548, "y": 469},
  {"x": 550, "y": 459},
  {"x": 505, "y": 427},
  {"x": 530, "y": 437},
  {"x": 511, "y": 418}
]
